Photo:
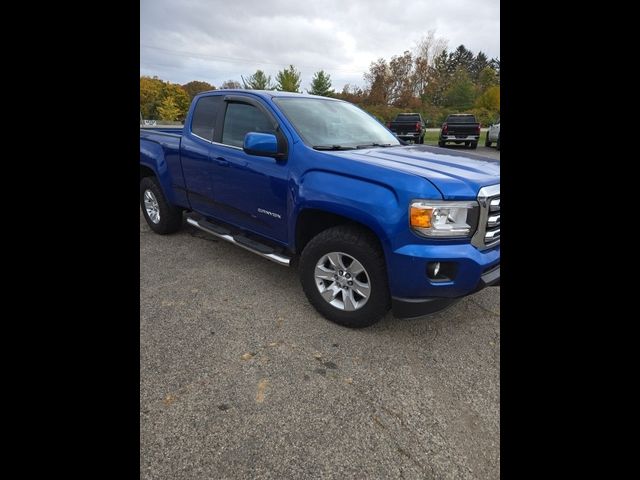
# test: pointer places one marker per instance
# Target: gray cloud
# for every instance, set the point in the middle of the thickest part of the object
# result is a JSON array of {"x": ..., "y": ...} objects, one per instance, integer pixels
[{"x": 214, "y": 40}]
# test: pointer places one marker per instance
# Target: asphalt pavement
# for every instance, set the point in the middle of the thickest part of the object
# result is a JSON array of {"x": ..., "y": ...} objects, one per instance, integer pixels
[{"x": 241, "y": 378}]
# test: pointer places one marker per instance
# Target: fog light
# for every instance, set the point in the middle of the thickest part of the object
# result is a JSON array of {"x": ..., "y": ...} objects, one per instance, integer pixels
[
  {"x": 433, "y": 268},
  {"x": 442, "y": 271}
]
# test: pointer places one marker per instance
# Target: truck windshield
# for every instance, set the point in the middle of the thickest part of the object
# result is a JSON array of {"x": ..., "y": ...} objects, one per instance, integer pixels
[{"x": 330, "y": 123}]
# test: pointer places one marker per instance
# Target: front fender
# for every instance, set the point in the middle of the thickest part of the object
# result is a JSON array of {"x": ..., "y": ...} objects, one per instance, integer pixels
[{"x": 372, "y": 204}]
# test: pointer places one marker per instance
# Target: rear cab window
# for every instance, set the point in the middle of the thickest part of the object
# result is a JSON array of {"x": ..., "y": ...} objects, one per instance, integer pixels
[
  {"x": 408, "y": 118},
  {"x": 461, "y": 119},
  {"x": 204, "y": 117}
]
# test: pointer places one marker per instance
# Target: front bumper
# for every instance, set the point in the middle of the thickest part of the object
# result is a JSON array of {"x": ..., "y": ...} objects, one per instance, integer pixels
[
  {"x": 417, "y": 307},
  {"x": 414, "y": 293}
]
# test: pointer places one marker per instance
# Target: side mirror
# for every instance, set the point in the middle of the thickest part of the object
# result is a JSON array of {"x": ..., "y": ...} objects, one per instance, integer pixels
[{"x": 262, "y": 144}]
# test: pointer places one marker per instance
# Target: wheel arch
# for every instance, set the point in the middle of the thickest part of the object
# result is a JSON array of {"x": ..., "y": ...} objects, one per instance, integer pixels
[{"x": 312, "y": 221}]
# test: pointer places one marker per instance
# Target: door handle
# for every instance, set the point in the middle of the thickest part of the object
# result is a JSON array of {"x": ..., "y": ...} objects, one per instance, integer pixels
[{"x": 222, "y": 161}]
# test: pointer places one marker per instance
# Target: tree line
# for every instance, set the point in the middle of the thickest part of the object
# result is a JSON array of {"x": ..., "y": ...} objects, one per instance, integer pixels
[{"x": 428, "y": 79}]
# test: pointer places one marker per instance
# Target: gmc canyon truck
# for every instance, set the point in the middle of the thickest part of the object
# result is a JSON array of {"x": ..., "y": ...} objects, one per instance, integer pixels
[
  {"x": 371, "y": 224},
  {"x": 460, "y": 128},
  {"x": 408, "y": 126}
]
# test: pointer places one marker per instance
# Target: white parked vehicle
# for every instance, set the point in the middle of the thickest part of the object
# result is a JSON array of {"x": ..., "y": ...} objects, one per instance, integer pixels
[{"x": 493, "y": 135}]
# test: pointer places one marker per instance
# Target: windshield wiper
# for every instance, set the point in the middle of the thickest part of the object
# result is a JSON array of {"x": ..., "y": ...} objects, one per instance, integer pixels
[
  {"x": 367, "y": 145},
  {"x": 332, "y": 147}
]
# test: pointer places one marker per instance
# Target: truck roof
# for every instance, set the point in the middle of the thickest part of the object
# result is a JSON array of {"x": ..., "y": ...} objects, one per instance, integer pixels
[{"x": 266, "y": 93}]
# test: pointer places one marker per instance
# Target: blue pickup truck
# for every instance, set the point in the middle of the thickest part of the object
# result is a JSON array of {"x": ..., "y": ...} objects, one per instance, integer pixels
[{"x": 318, "y": 182}]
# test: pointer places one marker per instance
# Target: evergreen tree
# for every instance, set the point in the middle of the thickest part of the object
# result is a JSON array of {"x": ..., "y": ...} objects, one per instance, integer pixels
[
  {"x": 460, "y": 58},
  {"x": 288, "y": 80},
  {"x": 480, "y": 62},
  {"x": 461, "y": 92},
  {"x": 258, "y": 81},
  {"x": 321, "y": 84}
]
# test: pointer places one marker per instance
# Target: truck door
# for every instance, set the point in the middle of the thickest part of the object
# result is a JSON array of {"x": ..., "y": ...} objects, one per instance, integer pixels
[
  {"x": 195, "y": 154},
  {"x": 249, "y": 191}
]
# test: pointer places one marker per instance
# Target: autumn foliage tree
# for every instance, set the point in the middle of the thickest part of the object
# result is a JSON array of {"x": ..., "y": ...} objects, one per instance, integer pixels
[
  {"x": 379, "y": 83},
  {"x": 156, "y": 94},
  {"x": 428, "y": 79},
  {"x": 150, "y": 96},
  {"x": 432, "y": 80},
  {"x": 195, "y": 87},
  {"x": 168, "y": 109}
]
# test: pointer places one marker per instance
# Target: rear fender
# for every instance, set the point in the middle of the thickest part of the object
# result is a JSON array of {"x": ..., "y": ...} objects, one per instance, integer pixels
[{"x": 152, "y": 156}]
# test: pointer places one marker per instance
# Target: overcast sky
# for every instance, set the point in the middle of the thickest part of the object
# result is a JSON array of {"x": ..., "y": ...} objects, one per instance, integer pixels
[{"x": 218, "y": 40}]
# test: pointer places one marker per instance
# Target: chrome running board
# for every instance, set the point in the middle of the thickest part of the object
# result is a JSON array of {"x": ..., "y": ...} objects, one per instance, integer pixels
[{"x": 250, "y": 245}]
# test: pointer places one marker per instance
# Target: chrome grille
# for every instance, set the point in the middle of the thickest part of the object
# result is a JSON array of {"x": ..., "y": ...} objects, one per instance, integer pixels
[{"x": 488, "y": 233}]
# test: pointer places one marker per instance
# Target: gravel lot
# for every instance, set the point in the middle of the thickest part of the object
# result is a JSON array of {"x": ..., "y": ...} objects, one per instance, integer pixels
[{"x": 241, "y": 378}]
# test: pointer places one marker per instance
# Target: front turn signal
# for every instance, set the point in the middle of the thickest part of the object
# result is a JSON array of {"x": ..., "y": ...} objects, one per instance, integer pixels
[{"x": 421, "y": 217}]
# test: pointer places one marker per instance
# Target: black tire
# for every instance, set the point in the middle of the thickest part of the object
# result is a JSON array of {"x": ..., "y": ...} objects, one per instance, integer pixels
[
  {"x": 362, "y": 246},
  {"x": 498, "y": 143},
  {"x": 487, "y": 143},
  {"x": 467, "y": 144},
  {"x": 440, "y": 143},
  {"x": 170, "y": 217},
  {"x": 421, "y": 140},
  {"x": 474, "y": 145}
]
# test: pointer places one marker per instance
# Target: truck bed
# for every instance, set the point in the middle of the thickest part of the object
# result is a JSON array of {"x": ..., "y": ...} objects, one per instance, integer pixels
[{"x": 177, "y": 130}]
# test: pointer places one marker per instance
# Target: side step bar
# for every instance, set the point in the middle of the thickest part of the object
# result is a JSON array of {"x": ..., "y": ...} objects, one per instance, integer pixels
[{"x": 246, "y": 243}]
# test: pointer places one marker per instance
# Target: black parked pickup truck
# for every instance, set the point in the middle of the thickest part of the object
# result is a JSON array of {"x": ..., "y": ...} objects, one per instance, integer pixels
[
  {"x": 408, "y": 126},
  {"x": 459, "y": 128}
]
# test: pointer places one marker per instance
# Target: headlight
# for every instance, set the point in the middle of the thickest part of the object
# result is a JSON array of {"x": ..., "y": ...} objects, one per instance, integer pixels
[{"x": 437, "y": 218}]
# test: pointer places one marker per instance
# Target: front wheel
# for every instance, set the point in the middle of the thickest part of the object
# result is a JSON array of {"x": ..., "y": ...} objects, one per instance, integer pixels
[
  {"x": 487, "y": 143},
  {"x": 343, "y": 274},
  {"x": 161, "y": 216}
]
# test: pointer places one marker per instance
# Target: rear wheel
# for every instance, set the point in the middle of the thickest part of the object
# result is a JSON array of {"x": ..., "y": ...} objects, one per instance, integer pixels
[
  {"x": 343, "y": 274},
  {"x": 421, "y": 140},
  {"x": 440, "y": 144},
  {"x": 474, "y": 145},
  {"x": 161, "y": 216}
]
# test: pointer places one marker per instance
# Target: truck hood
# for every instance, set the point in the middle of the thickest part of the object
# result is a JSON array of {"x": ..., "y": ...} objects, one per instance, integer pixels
[{"x": 457, "y": 174}]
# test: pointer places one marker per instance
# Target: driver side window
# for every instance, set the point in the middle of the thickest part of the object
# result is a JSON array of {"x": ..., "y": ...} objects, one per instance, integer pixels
[{"x": 240, "y": 119}]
